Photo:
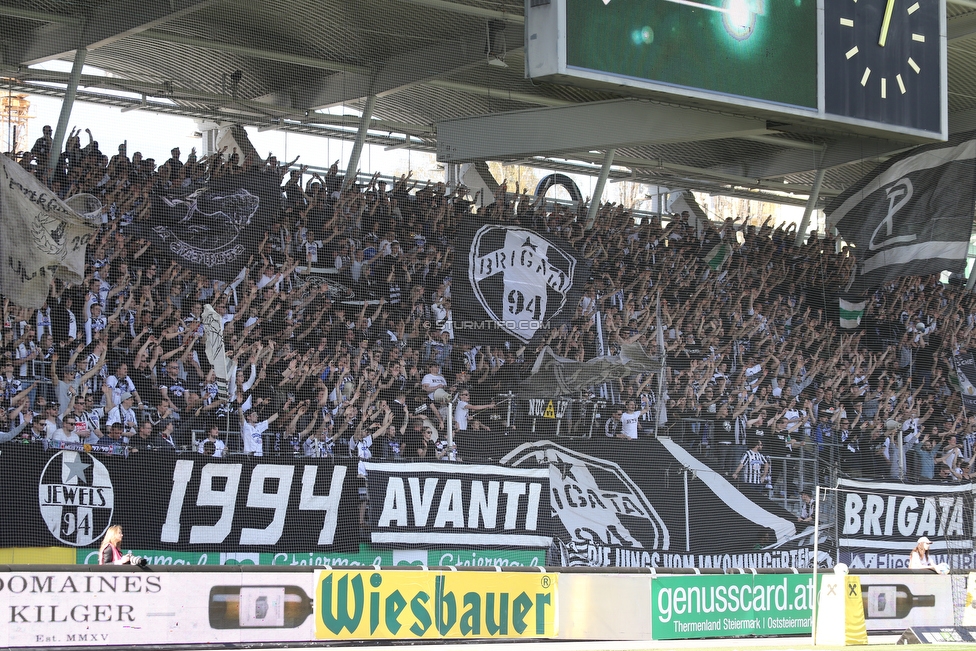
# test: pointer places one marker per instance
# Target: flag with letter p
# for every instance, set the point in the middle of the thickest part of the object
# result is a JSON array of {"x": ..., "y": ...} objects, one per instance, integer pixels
[{"x": 912, "y": 215}]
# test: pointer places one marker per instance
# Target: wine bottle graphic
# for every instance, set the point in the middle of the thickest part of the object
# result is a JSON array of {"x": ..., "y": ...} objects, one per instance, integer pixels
[
  {"x": 258, "y": 606},
  {"x": 892, "y": 601}
]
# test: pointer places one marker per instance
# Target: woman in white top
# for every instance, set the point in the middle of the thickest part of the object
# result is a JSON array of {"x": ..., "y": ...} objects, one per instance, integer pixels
[{"x": 919, "y": 559}]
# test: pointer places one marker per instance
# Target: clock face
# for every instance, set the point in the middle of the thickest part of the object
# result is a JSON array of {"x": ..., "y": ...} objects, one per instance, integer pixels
[{"x": 883, "y": 61}]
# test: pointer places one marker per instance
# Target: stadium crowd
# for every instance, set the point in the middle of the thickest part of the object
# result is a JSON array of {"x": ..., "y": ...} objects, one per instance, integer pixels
[{"x": 755, "y": 354}]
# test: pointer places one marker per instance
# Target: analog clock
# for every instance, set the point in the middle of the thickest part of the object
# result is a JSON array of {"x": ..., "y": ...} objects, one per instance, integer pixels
[{"x": 882, "y": 61}]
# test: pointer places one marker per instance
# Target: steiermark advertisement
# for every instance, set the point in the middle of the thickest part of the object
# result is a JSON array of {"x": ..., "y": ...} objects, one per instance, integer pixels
[
  {"x": 367, "y": 556},
  {"x": 730, "y": 605}
]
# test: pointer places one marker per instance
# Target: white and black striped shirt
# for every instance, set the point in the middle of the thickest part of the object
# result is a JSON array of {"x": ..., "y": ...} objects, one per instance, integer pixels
[{"x": 752, "y": 467}]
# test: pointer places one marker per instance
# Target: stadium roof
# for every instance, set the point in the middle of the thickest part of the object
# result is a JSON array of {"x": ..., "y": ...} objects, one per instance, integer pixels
[{"x": 426, "y": 62}]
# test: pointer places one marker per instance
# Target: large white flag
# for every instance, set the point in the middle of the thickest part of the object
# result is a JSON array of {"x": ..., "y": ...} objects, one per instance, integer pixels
[
  {"x": 213, "y": 330},
  {"x": 41, "y": 237}
]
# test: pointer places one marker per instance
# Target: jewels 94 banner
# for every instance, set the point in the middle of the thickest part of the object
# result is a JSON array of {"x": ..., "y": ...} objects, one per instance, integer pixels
[{"x": 188, "y": 503}]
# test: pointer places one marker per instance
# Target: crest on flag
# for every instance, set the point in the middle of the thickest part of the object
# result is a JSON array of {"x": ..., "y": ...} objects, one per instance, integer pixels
[
  {"x": 76, "y": 498},
  {"x": 519, "y": 282},
  {"x": 43, "y": 237},
  {"x": 209, "y": 229}
]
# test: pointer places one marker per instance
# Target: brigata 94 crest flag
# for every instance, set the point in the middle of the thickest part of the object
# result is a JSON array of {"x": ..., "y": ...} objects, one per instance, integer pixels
[
  {"x": 912, "y": 215},
  {"x": 513, "y": 283}
]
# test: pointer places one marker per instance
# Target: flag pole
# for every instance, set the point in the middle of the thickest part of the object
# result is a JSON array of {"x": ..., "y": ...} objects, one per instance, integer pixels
[
  {"x": 816, "y": 563},
  {"x": 662, "y": 351}
]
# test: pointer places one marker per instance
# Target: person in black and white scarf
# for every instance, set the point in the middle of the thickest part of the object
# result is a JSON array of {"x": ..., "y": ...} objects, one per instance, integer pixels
[
  {"x": 807, "y": 507},
  {"x": 123, "y": 413}
]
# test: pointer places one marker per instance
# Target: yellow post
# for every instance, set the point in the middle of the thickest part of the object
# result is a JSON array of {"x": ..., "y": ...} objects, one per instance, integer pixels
[{"x": 840, "y": 617}]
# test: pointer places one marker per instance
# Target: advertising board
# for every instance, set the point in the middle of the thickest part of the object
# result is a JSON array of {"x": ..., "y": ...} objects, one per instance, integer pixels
[
  {"x": 697, "y": 606},
  {"x": 413, "y": 605},
  {"x": 366, "y": 556},
  {"x": 121, "y": 608},
  {"x": 693, "y": 606}
]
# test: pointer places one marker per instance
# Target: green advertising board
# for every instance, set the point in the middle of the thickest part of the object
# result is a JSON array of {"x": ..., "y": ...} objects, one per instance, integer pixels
[
  {"x": 367, "y": 555},
  {"x": 695, "y": 606}
]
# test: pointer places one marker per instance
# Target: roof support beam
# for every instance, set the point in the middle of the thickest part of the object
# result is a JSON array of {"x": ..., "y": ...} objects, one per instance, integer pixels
[
  {"x": 689, "y": 172},
  {"x": 352, "y": 168},
  {"x": 106, "y": 24},
  {"x": 66, "y": 105},
  {"x": 395, "y": 74},
  {"x": 601, "y": 183},
  {"x": 783, "y": 162},
  {"x": 257, "y": 53},
  {"x": 596, "y": 125},
  {"x": 468, "y": 10},
  {"x": 810, "y": 207}
]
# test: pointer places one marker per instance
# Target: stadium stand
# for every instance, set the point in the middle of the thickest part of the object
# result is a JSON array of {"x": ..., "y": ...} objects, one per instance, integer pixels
[{"x": 755, "y": 347}]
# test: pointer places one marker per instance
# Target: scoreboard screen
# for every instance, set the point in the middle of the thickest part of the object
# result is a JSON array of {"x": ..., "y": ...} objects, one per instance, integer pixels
[
  {"x": 875, "y": 67},
  {"x": 759, "y": 49}
]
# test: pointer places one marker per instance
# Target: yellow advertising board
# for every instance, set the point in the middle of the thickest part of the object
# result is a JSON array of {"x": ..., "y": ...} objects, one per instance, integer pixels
[
  {"x": 37, "y": 556},
  {"x": 414, "y": 605}
]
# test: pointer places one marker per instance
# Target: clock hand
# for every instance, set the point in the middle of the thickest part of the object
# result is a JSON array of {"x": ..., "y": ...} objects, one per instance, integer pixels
[{"x": 889, "y": 9}]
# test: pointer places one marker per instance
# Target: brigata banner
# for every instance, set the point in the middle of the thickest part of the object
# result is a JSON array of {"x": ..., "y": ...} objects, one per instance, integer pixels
[
  {"x": 730, "y": 605},
  {"x": 880, "y": 523},
  {"x": 513, "y": 283},
  {"x": 409, "y": 605}
]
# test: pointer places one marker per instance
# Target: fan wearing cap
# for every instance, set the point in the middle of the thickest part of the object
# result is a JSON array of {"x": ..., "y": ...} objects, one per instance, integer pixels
[
  {"x": 124, "y": 414},
  {"x": 919, "y": 559}
]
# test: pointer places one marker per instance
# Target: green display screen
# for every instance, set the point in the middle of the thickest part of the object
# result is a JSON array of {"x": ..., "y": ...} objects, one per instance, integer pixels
[{"x": 759, "y": 49}]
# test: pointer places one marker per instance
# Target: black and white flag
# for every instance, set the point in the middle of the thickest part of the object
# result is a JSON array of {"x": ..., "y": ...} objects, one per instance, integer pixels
[
  {"x": 215, "y": 229},
  {"x": 912, "y": 215},
  {"x": 966, "y": 375},
  {"x": 553, "y": 375},
  {"x": 213, "y": 330},
  {"x": 513, "y": 282},
  {"x": 43, "y": 237}
]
